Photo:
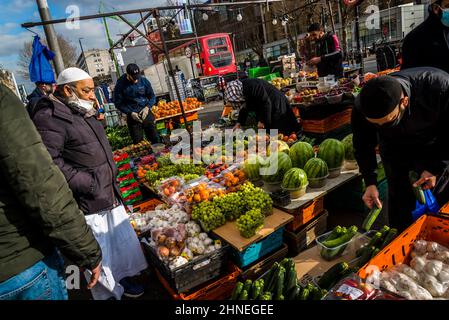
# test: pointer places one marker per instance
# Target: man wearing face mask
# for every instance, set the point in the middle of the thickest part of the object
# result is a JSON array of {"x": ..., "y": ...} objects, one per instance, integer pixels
[
  {"x": 428, "y": 43},
  {"x": 406, "y": 114},
  {"x": 78, "y": 145},
  {"x": 134, "y": 96},
  {"x": 43, "y": 89}
]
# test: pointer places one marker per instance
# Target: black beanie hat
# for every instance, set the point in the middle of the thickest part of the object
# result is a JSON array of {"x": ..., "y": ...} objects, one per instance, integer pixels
[{"x": 380, "y": 96}]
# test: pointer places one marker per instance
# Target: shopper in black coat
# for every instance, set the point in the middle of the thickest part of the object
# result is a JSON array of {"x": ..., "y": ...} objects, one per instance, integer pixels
[
  {"x": 428, "y": 43},
  {"x": 406, "y": 114},
  {"x": 268, "y": 103}
]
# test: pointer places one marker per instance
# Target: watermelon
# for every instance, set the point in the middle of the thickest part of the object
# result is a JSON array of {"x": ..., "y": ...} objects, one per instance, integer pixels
[
  {"x": 251, "y": 167},
  {"x": 316, "y": 168},
  {"x": 332, "y": 151},
  {"x": 283, "y": 165},
  {"x": 349, "y": 148},
  {"x": 300, "y": 153},
  {"x": 294, "y": 178},
  {"x": 280, "y": 146}
]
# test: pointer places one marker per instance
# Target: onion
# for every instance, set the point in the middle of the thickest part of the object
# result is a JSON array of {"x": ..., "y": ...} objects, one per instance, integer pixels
[
  {"x": 164, "y": 252},
  {"x": 175, "y": 252}
]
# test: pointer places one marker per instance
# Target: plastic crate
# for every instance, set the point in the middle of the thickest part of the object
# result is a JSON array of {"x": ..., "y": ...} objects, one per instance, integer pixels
[
  {"x": 258, "y": 72},
  {"x": 304, "y": 215},
  {"x": 257, "y": 269},
  {"x": 146, "y": 206},
  {"x": 217, "y": 289},
  {"x": 259, "y": 249},
  {"x": 305, "y": 237},
  {"x": 328, "y": 124},
  {"x": 192, "y": 274},
  {"x": 428, "y": 227}
]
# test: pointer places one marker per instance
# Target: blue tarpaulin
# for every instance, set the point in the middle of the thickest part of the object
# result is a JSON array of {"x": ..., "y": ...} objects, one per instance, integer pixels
[{"x": 40, "y": 67}]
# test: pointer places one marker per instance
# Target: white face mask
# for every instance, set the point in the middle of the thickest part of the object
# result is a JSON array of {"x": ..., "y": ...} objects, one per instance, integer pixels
[{"x": 84, "y": 104}]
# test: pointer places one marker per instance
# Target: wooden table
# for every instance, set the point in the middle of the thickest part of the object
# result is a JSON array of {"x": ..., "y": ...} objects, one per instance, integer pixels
[{"x": 231, "y": 234}]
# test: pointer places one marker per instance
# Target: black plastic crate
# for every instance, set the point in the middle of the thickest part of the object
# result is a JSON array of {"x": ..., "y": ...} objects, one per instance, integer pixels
[{"x": 194, "y": 273}]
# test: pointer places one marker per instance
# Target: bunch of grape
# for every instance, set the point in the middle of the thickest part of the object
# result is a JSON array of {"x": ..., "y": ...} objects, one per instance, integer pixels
[
  {"x": 189, "y": 176},
  {"x": 209, "y": 215},
  {"x": 164, "y": 161},
  {"x": 256, "y": 198},
  {"x": 190, "y": 169},
  {"x": 249, "y": 223},
  {"x": 232, "y": 205}
]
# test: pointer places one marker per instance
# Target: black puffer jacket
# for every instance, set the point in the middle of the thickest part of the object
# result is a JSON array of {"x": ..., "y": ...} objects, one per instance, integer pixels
[
  {"x": 427, "y": 45},
  {"x": 79, "y": 146}
]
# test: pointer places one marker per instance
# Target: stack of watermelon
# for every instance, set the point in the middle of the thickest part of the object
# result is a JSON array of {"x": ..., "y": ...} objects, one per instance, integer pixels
[
  {"x": 300, "y": 153},
  {"x": 317, "y": 172},
  {"x": 332, "y": 152},
  {"x": 284, "y": 163}
]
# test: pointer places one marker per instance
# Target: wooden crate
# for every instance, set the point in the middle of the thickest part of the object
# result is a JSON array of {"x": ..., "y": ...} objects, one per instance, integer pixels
[
  {"x": 303, "y": 215},
  {"x": 328, "y": 124}
]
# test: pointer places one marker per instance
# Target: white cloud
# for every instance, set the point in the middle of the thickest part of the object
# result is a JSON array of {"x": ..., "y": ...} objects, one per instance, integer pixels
[{"x": 12, "y": 43}]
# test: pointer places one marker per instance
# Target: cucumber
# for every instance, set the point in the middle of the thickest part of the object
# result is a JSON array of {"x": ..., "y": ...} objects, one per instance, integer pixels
[
  {"x": 372, "y": 243},
  {"x": 315, "y": 294},
  {"x": 279, "y": 288},
  {"x": 389, "y": 237},
  {"x": 257, "y": 289},
  {"x": 244, "y": 295},
  {"x": 418, "y": 191},
  {"x": 371, "y": 217},
  {"x": 237, "y": 290},
  {"x": 267, "y": 296},
  {"x": 291, "y": 279},
  {"x": 332, "y": 275},
  {"x": 337, "y": 232}
]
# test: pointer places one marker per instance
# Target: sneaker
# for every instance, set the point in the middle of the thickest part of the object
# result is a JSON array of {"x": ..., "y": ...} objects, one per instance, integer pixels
[{"x": 132, "y": 290}]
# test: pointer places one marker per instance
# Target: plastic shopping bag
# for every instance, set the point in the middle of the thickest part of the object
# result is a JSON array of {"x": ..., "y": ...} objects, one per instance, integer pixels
[{"x": 430, "y": 206}]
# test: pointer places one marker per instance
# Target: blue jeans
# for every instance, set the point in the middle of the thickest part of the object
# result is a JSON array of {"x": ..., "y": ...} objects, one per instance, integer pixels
[{"x": 43, "y": 281}]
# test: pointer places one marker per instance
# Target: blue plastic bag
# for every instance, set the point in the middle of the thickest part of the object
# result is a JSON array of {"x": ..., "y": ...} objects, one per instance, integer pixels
[{"x": 431, "y": 206}]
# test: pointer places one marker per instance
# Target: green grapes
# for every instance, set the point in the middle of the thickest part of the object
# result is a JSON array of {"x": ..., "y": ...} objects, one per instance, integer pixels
[
  {"x": 209, "y": 215},
  {"x": 256, "y": 198},
  {"x": 232, "y": 205},
  {"x": 249, "y": 223}
]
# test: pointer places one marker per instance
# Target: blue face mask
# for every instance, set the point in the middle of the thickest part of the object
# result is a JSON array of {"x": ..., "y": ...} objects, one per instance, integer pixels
[{"x": 445, "y": 17}]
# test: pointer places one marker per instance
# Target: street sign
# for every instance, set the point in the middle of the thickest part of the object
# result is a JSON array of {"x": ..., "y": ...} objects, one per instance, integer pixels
[{"x": 188, "y": 52}]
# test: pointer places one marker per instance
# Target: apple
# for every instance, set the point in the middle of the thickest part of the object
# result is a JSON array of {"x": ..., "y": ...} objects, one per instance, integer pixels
[
  {"x": 293, "y": 136},
  {"x": 285, "y": 139},
  {"x": 290, "y": 141}
]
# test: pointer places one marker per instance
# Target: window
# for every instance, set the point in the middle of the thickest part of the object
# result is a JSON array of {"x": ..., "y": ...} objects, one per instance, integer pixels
[
  {"x": 222, "y": 60},
  {"x": 216, "y": 42},
  {"x": 98, "y": 70},
  {"x": 102, "y": 70}
]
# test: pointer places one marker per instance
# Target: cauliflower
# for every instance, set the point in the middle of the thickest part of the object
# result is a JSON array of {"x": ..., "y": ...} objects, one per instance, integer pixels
[
  {"x": 207, "y": 242},
  {"x": 203, "y": 236}
]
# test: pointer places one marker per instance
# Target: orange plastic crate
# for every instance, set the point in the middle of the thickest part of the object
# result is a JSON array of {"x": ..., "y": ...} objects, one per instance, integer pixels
[
  {"x": 328, "y": 124},
  {"x": 445, "y": 209},
  {"x": 147, "y": 205},
  {"x": 430, "y": 228},
  {"x": 218, "y": 289},
  {"x": 304, "y": 215},
  {"x": 189, "y": 117}
]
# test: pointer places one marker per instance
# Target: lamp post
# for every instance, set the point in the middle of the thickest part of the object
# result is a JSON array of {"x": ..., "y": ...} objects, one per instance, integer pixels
[
  {"x": 84, "y": 56},
  {"x": 389, "y": 21}
]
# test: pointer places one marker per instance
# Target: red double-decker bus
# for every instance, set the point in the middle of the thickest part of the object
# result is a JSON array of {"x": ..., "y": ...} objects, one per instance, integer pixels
[{"x": 216, "y": 53}]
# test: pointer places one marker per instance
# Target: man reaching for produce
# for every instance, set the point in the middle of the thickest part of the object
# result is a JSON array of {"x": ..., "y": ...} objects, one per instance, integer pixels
[
  {"x": 406, "y": 114},
  {"x": 329, "y": 58},
  {"x": 269, "y": 104},
  {"x": 134, "y": 96},
  {"x": 79, "y": 147}
]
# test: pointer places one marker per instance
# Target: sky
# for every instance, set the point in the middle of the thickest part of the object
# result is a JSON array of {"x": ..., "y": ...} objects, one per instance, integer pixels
[{"x": 15, "y": 12}]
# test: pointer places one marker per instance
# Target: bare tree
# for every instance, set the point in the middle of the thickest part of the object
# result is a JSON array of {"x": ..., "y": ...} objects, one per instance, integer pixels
[{"x": 68, "y": 51}]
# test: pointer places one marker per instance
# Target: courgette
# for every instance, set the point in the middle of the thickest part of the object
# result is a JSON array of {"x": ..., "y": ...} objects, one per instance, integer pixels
[
  {"x": 418, "y": 191},
  {"x": 266, "y": 296},
  {"x": 371, "y": 217},
  {"x": 293, "y": 292},
  {"x": 237, "y": 290},
  {"x": 279, "y": 288},
  {"x": 247, "y": 285},
  {"x": 315, "y": 294},
  {"x": 375, "y": 252},
  {"x": 389, "y": 237},
  {"x": 244, "y": 295},
  {"x": 342, "y": 239},
  {"x": 366, "y": 255},
  {"x": 291, "y": 279},
  {"x": 332, "y": 275},
  {"x": 304, "y": 295},
  {"x": 257, "y": 289},
  {"x": 372, "y": 243},
  {"x": 271, "y": 278},
  {"x": 337, "y": 232}
]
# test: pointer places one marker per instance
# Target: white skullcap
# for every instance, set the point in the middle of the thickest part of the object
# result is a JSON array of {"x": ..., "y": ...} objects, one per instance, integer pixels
[{"x": 72, "y": 75}]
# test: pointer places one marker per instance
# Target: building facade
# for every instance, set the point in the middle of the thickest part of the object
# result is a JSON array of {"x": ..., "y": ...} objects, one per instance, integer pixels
[{"x": 96, "y": 62}]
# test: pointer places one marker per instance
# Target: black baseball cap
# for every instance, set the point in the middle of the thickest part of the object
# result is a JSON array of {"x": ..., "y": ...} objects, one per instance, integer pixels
[
  {"x": 133, "y": 71},
  {"x": 380, "y": 96}
]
